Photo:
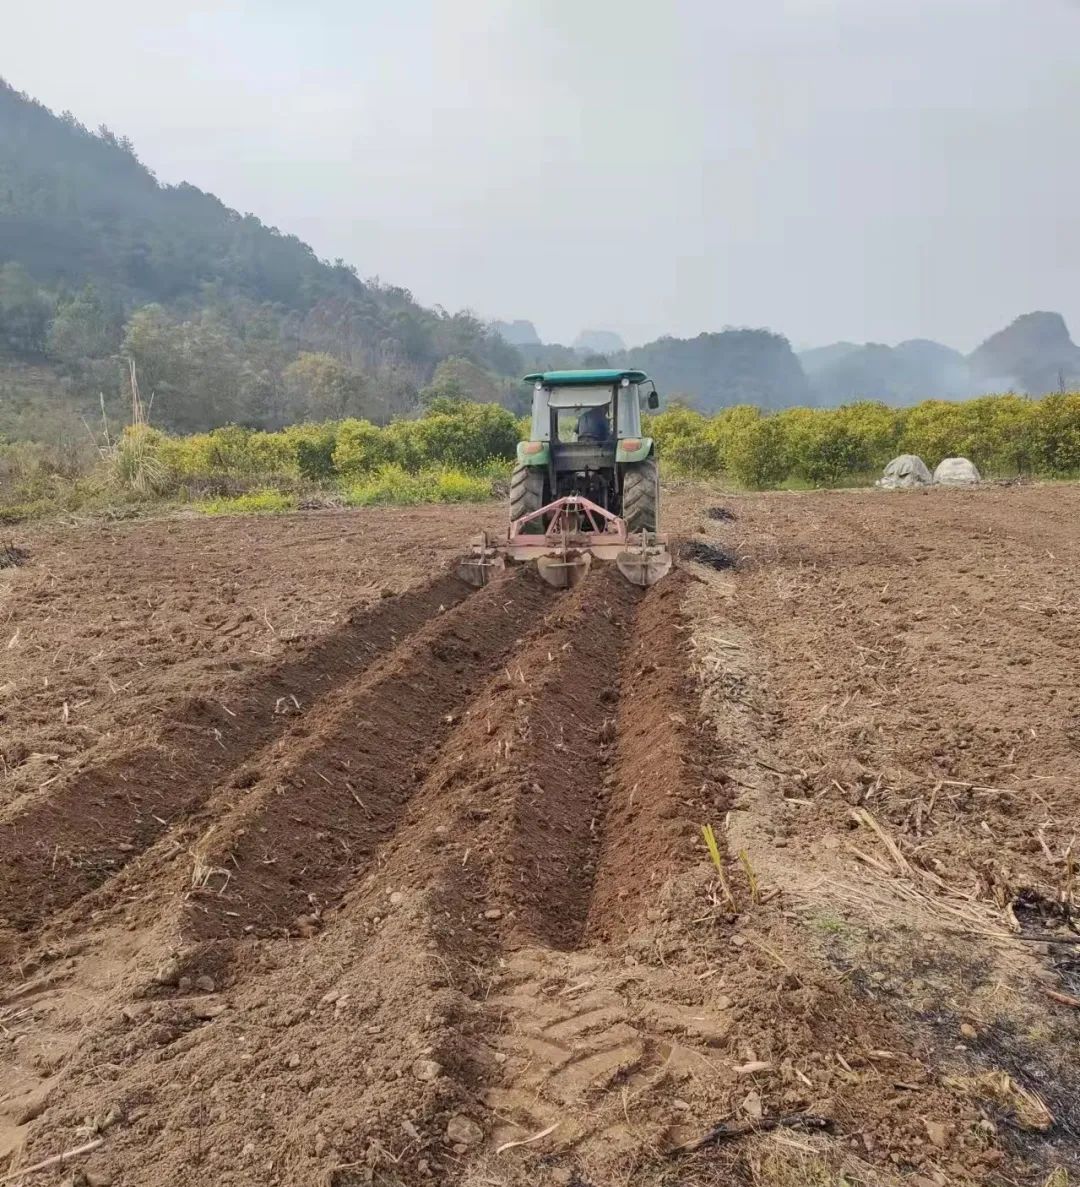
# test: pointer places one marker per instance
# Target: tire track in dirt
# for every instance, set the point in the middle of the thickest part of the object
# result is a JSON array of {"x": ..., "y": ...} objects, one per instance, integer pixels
[
  {"x": 578, "y": 1039},
  {"x": 68, "y": 840}
]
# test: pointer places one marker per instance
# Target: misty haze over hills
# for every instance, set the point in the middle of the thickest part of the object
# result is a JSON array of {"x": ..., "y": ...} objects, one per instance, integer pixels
[
  {"x": 1033, "y": 355},
  {"x": 230, "y": 320}
]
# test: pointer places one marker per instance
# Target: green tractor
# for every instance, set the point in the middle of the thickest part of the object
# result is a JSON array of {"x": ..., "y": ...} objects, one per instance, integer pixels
[
  {"x": 586, "y": 440},
  {"x": 585, "y": 484}
]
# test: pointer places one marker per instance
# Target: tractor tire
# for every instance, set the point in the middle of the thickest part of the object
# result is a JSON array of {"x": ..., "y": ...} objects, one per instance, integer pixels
[
  {"x": 641, "y": 496},
  {"x": 527, "y": 494}
]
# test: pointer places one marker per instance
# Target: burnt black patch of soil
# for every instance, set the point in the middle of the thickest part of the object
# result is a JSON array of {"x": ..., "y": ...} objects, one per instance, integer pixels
[
  {"x": 711, "y": 555},
  {"x": 722, "y": 513},
  {"x": 12, "y": 556}
]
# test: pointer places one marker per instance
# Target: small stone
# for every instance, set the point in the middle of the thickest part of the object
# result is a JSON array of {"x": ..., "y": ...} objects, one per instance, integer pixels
[
  {"x": 168, "y": 972},
  {"x": 397, "y": 898},
  {"x": 328, "y": 999},
  {"x": 248, "y": 1151},
  {"x": 738, "y": 941},
  {"x": 501, "y": 1057},
  {"x": 204, "y": 984},
  {"x": 751, "y": 1106},
  {"x": 968, "y": 1031},
  {"x": 753, "y": 1068},
  {"x": 97, "y": 1179},
  {"x": 427, "y": 1069},
  {"x": 493, "y": 914},
  {"x": 463, "y": 1131},
  {"x": 184, "y": 984},
  {"x": 938, "y": 1133},
  {"x": 293, "y": 1060},
  {"x": 680, "y": 1104}
]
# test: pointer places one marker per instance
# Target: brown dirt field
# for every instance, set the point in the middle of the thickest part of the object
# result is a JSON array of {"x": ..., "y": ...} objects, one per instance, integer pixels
[{"x": 318, "y": 867}]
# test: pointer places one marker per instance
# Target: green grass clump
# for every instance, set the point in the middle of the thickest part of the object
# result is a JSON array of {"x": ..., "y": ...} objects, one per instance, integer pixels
[
  {"x": 254, "y": 503},
  {"x": 394, "y": 484}
]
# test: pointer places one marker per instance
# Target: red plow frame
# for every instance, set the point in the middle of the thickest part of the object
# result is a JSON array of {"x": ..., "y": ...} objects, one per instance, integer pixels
[{"x": 577, "y": 530}]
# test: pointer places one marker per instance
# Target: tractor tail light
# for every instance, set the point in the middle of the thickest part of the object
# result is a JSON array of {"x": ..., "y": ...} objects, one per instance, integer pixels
[
  {"x": 632, "y": 444},
  {"x": 532, "y": 446}
]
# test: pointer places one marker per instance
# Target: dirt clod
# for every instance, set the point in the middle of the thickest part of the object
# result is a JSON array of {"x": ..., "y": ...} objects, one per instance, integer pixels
[{"x": 463, "y": 1131}]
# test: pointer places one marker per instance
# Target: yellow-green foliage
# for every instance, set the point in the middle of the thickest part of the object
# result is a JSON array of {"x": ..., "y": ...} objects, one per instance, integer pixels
[
  {"x": 360, "y": 447},
  {"x": 233, "y": 452},
  {"x": 686, "y": 440},
  {"x": 1002, "y": 435},
  {"x": 459, "y": 451},
  {"x": 394, "y": 484},
  {"x": 255, "y": 502}
]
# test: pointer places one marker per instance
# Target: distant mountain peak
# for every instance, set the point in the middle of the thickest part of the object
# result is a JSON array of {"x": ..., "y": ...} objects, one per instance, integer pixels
[
  {"x": 599, "y": 342},
  {"x": 519, "y": 332},
  {"x": 1034, "y": 354}
]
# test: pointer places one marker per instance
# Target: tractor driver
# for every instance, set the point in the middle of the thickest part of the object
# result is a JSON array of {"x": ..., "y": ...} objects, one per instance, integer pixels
[{"x": 593, "y": 425}]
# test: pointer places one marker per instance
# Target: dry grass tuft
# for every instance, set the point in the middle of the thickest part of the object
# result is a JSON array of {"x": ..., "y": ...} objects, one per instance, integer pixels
[
  {"x": 783, "y": 1161},
  {"x": 1028, "y": 1110}
]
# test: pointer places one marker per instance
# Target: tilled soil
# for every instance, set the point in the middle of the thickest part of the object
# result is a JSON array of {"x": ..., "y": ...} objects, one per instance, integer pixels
[{"x": 319, "y": 867}]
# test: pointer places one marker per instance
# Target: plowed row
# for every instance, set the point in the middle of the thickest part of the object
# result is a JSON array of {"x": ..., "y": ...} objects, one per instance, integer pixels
[{"x": 420, "y": 895}]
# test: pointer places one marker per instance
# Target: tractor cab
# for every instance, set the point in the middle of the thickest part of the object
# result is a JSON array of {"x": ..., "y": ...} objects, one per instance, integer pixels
[{"x": 585, "y": 431}]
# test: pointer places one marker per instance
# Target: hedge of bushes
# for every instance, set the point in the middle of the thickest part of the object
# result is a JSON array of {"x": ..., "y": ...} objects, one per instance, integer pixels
[
  {"x": 458, "y": 451},
  {"x": 463, "y": 451},
  {"x": 1003, "y": 435}
]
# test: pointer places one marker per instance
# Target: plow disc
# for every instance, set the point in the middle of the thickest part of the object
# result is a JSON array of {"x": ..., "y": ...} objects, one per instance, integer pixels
[
  {"x": 564, "y": 572},
  {"x": 563, "y": 538},
  {"x": 481, "y": 562},
  {"x": 646, "y": 563}
]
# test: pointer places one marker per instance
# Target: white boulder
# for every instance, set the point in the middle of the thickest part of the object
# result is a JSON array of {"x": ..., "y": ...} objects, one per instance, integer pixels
[
  {"x": 956, "y": 471},
  {"x": 905, "y": 470}
]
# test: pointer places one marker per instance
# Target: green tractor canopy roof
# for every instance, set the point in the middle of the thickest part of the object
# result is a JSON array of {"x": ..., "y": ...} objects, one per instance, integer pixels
[{"x": 604, "y": 377}]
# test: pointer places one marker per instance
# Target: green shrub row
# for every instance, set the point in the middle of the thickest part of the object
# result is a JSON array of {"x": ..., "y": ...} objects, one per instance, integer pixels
[
  {"x": 455, "y": 434},
  {"x": 461, "y": 451},
  {"x": 1003, "y": 435},
  {"x": 458, "y": 451}
]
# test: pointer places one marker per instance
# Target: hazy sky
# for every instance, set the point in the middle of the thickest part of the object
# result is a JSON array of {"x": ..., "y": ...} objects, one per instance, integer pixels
[{"x": 863, "y": 169}]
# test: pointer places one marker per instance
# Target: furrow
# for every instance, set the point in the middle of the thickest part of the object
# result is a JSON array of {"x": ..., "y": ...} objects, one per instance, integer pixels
[
  {"x": 69, "y": 839},
  {"x": 315, "y": 819}
]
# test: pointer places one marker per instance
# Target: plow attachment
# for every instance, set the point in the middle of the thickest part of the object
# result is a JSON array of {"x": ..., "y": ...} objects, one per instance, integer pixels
[{"x": 577, "y": 530}]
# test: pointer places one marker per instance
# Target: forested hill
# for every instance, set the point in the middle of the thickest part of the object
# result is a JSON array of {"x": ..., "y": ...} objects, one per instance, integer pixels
[
  {"x": 734, "y": 366},
  {"x": 97, "y": 257}
]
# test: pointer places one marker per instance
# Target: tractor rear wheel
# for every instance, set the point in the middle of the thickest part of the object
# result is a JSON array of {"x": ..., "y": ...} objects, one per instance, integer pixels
[
  {"x": 527, "y": 494},
  {"x": 641, "y": 496}
]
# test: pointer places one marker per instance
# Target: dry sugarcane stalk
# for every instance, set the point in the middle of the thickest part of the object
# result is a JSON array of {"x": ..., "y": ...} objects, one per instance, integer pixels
[
  {"x": 736, "y": 1129},
  {"x": 54, "y": 1160}
]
